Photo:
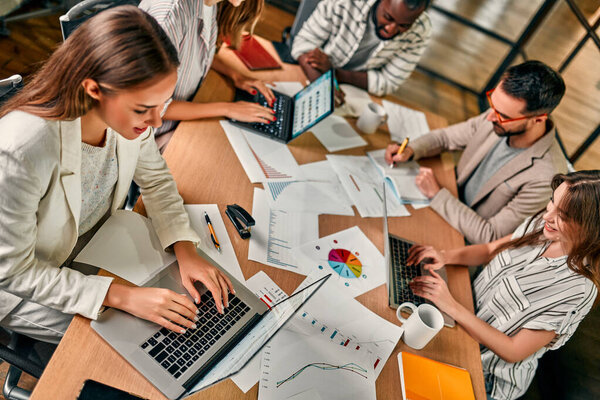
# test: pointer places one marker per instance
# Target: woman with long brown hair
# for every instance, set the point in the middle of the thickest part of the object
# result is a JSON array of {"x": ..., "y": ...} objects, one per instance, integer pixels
[
  {"x": 196, "y": 28},
  {"x": 536, "y": 288},
  {"x": 70, "y": 144}
]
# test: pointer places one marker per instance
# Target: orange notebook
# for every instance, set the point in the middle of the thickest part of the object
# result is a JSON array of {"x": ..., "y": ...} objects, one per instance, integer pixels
[
  {"x": 425, "y": 379},
  {"x": 254, "y": 56}
]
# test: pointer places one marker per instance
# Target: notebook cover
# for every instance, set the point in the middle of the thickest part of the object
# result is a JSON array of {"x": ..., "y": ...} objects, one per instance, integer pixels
[
  {"x": 425, "y": 379},
  {"x": 254, "y": 56}
]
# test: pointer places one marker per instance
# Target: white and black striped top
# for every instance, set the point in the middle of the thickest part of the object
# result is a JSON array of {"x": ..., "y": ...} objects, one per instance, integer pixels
[
  {"x": 192, "y": 28},
  {"x": 337, "y": 27},
  {"x": 520, "y": 289}
]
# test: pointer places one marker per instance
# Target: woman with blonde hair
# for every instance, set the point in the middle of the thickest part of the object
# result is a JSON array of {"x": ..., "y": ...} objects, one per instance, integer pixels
[
  {"x": 196, "y": 28},
  {"x": 536, "y": 288},
  {"x": 70, "y": 144}
]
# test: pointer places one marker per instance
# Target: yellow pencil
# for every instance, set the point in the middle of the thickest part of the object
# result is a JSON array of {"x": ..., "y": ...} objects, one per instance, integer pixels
[{"x": 400, "y": 150}]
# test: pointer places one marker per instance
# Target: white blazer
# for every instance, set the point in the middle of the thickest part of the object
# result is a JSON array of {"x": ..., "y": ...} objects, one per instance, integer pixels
[{"x": 40, "y": 203}]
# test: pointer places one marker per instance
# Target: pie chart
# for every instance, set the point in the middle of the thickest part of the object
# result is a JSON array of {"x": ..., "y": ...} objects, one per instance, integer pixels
[{"x": 344, "y": 263}]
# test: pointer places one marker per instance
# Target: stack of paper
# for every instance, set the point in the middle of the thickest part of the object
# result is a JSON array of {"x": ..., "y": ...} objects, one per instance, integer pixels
[
  {"x": 401, "y": 178},
  {"x": 364, "y": 185}
]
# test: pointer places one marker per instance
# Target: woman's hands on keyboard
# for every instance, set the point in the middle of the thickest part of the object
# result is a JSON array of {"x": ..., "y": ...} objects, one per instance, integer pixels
[
  {"x": 251, "y": 85},
  {"x": 161, "y": 306},
  {"x": 194, "y": 268},
  {"x": 431, "y": 258},
  {"x": 249, "y": 112}
]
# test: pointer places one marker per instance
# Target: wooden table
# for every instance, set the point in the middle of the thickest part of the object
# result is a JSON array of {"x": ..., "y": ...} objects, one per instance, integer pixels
[{"x": 207, "y": 171}]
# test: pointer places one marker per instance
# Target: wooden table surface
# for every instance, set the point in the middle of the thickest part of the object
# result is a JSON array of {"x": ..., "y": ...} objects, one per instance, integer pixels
[{"x": 207, "y": 171}]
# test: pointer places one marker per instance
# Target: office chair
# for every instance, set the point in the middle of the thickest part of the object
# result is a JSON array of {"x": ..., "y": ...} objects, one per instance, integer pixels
[
  {"x": 284, "y": 47},
  {"x": 9, "y": 87},
  {"x": 24, "y": 354},
  {"x": 42, "y": 8},
  {"x": 85, "y": 10}
]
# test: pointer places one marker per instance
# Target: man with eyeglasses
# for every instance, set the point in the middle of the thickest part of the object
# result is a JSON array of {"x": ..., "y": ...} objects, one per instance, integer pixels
[
  {"x": 372, "y": 44},
  {"x": 510, "y": 154}
]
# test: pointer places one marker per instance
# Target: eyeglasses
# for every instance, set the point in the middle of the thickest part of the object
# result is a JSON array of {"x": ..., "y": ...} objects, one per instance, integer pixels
[{"x": 506, "y": 120}]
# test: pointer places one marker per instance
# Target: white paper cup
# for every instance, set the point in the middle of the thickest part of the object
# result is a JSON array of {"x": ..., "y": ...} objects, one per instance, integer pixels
[
  {"x": 372, "y": 116},
  {"x": 422, "y": 325}
]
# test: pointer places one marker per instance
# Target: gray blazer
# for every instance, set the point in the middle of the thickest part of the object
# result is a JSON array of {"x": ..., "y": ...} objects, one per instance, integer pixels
[
  {"x": 517, "y": 190},
  {"x": 40, "y": 203}
]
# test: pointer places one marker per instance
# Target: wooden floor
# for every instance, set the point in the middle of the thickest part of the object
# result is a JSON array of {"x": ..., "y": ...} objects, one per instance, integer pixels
[{"x": 455, "y": 51}]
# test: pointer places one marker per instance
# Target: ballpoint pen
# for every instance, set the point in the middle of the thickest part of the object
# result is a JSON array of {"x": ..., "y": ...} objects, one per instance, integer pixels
[
  {"x": 213, "y": 235},
  {"x": 400, "y": 150}
]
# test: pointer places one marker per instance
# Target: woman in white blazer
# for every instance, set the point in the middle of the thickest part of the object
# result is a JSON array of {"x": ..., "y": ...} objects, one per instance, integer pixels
[{"x": 98, "y": 97}]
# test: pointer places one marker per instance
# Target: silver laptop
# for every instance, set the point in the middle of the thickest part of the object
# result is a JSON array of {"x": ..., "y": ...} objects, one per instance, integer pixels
[
  {"x": 180, "y": 364},
  {"x": 399, "y": 274}
]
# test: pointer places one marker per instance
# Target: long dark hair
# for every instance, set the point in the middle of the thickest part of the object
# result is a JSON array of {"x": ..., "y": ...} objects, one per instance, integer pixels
[
  {"x": 120, "y": 48},
  {"x": 580, "y": 210}
]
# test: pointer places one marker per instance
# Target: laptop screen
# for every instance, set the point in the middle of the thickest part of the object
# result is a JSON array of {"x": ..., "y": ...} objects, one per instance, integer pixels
[
  {"x": 257, "y": 337},
  {"x": 313, "y": 103}
]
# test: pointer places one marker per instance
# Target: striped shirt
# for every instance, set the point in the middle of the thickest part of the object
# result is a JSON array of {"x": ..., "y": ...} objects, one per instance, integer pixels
[
  {"x": 192, "y": 28},
  {"x": 337, "y": 28},
  {"x": 521, "y": 289}
]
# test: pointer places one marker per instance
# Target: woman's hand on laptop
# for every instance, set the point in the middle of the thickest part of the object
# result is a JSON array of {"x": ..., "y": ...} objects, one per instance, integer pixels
[
  {"x": 161, "y": 306},
  {"x": 434, "y": 288},
  {"x": 249, "y": 112},
  {"x": 194, "y": 268},
  {"x": 251, "y": 85},
  {"x": 431, "y": 258}
]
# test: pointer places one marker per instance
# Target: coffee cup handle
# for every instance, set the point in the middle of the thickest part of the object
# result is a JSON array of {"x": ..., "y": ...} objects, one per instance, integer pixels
[{"x": 407, "y": 305}]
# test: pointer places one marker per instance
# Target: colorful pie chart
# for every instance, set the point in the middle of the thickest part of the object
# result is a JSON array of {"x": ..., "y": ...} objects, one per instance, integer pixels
[{"x": 344, "y": 263}]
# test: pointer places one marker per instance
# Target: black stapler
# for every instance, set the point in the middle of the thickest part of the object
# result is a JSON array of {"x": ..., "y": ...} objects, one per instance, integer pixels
[{"x": 240, "y": 219}]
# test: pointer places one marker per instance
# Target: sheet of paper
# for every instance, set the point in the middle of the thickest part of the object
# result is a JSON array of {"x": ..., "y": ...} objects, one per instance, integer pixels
[
  {"x": 404, "y": 121},
  {"x": 263, "y": 159},
  {"x": 127, "y": 245},
  {"x": 363, "y": 184},
  {"x": 289, "y": 88},
  {"x": 335, "y": 134},
  {"x": 265, "y": 289},
  {"x": 312, "y": 197},
  {"x": 319, "y": 171},
  {"x": 293, "y": 363},
  {"x": 346, "y": 324},
  {"x": 401, "y": 178},
  {"x": 277, "y": 232},
  {"x": 355, "y": 263},
  {"x": 355, "y": 100},
  {"x": 310, "y": 394},
  {"x": 226, "y": 258}
]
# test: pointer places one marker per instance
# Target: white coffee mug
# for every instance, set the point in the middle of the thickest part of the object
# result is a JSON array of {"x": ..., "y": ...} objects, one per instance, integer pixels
[
  {"x": 371, "y": 117},
  {"x": 422, "y": 325}
]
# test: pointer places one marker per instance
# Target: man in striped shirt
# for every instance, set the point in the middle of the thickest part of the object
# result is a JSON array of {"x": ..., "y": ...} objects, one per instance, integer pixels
[{"x": 372, "y": 44}]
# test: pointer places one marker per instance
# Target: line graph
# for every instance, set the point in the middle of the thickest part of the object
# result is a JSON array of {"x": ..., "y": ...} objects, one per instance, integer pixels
[{"x": 350, "y": 367}]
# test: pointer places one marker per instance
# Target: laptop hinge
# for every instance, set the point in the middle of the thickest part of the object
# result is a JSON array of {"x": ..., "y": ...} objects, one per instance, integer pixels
[{"x": 221, "y": 353}]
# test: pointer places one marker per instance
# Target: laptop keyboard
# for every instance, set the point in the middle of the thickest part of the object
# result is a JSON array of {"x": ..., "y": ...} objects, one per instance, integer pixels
[
  {"x": 177, "y": 352},
  {"x": 402, "y": 274},
  {"x": 277, "y": 127}
]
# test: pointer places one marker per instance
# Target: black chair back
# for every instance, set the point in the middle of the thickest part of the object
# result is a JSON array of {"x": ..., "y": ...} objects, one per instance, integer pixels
[{"x": 86, "y": 9}]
